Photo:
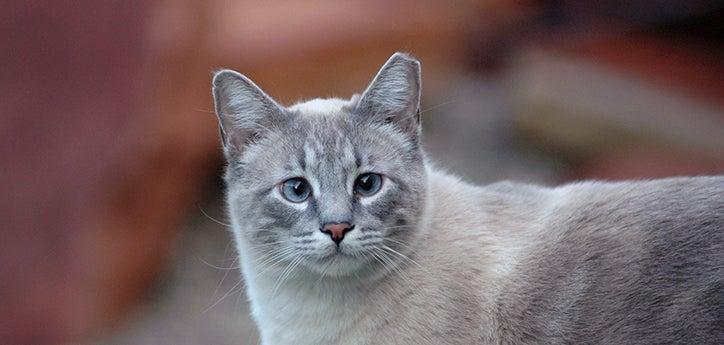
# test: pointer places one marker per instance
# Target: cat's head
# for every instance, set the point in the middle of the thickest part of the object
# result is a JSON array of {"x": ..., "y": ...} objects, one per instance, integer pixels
[{"x": 337, "y": 185}]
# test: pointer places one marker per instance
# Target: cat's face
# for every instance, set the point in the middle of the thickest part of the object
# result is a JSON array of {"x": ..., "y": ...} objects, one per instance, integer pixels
[{"x": 333, "y": 186}]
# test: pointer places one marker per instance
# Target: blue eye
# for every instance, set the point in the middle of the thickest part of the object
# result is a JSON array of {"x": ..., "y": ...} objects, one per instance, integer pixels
[
  {"x": 368, "y": 184},
  {"x": 295, "y": 189}
]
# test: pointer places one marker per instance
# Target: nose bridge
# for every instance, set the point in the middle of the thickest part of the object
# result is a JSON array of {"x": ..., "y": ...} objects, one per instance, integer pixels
[
  {"x": 334, "y": 204},
  {"x": 334, "y": 207}
]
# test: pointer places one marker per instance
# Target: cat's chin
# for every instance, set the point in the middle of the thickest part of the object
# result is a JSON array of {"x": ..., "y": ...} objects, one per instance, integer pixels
[{"x": 338, "y": 265}]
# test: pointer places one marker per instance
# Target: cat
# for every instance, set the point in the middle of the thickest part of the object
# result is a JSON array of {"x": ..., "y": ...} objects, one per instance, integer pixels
[{"x": 347, "y": 234}]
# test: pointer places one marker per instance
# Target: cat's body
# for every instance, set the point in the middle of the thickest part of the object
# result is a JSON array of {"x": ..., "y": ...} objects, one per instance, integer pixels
[
  {"x": 585, "y": 263},
  {"x": 430, "y": 259}
]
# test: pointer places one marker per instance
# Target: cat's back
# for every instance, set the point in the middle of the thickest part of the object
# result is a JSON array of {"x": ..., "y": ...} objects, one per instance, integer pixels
[{"x": 627, "y": 262}]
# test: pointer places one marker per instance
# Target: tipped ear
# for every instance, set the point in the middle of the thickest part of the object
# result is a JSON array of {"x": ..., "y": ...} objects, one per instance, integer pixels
[
  {"x": 243, "y": 109},
  {"x": 393, "y": 96}
]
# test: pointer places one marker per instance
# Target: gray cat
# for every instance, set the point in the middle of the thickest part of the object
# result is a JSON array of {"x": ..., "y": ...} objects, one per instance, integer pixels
[{"x": 348, "y": 235}]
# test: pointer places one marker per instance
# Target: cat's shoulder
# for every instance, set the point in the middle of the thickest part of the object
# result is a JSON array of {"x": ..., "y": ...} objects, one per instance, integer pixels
[
  {"x": 679, "y": 202},
  {"x": 671, "y": 190},
  {"x": 592, "y": 198},
  {"x": 440, "y": 180}
]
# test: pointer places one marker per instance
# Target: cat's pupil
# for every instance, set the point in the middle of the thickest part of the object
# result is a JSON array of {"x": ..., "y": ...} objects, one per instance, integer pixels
[
  {"x": 365, "y": 182},
  {"x": 299, "y": 187}
]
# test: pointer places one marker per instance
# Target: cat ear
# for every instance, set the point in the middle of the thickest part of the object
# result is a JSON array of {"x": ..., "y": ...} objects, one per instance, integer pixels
[
  {"x": 243, "y": 109},
  {"x": 393, "y": 96}
]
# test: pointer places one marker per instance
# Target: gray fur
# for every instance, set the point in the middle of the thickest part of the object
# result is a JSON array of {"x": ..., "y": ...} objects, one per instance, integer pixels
[
  {"x": 434, "y": 260},
  {"x": 244, "y": 110},
  {"x": 394, "y": 94}
]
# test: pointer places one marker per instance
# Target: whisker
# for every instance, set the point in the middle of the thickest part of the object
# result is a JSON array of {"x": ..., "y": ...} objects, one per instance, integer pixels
[
  {"x": 405, "y": 257},
  {"x": 268, "y": 244},
  {"x": 422, "y": 111},
  {"x": 402, "y": 274},
  {"x": 283, "y": 276},
  {"x": 392, "y": 265},
  {"x": 324, "y": 271},
  {"x": 376, "y": 256},
  {"x": 205, "y": 111},
  {"x": 224, "y": 277},
  {"x": 399, "y": 227},
  {"x": 223, "y": 297},
  {"x": 273, "y": 262},
  {"x": 271, "y": 256},
  {"x": 212, "y": 218},
  {"x": 399, "y": 243},
  {"x": 384, "y": 247},
  {"x": 437, "y": 106},
  {"x": 217, "y": 267},
  {"x": 370, "y": 243},
  {"x": 395, "y": 241}
]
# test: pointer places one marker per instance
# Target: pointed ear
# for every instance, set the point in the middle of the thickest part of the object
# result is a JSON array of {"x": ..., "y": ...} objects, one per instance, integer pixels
[
  {"x": 393, "y": 96},
  {"x": 243, "y": 109}
]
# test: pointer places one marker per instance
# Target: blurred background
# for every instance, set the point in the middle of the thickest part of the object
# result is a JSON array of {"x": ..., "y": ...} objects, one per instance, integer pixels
[{"x": 113, "y": 230}]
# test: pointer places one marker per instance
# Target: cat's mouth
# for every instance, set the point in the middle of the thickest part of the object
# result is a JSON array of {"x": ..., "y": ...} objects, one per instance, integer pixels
[
  {"x": 338, "y": 260},
  {"x": 338, "y": 263},
  {"x": 339, "y": 253}
]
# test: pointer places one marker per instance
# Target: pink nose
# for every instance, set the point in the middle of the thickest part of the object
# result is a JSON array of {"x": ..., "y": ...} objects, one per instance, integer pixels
[{"x": 337, "y": 230}]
